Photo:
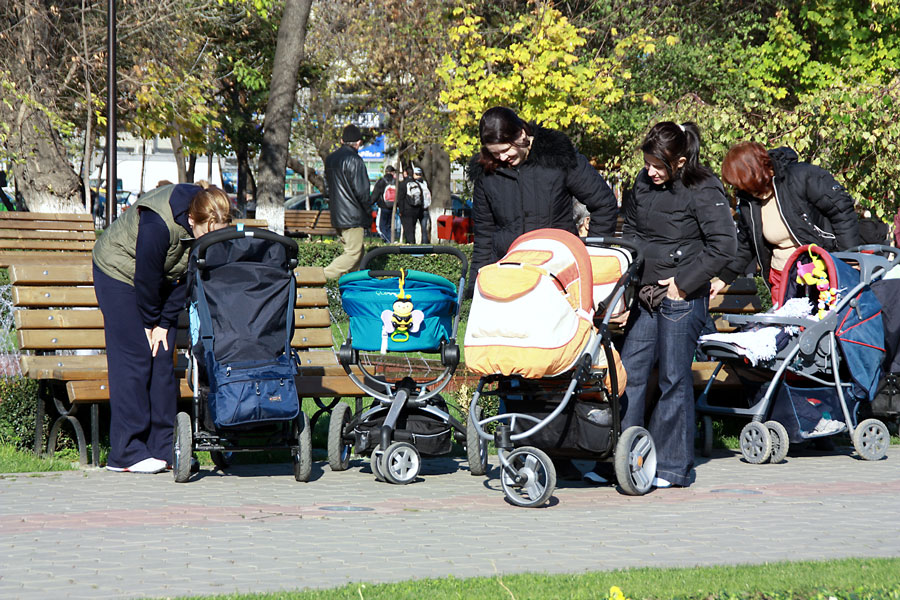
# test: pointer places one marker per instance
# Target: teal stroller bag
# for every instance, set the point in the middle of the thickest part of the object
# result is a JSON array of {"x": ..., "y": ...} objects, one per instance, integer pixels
[{"x": 410, "y": 313}]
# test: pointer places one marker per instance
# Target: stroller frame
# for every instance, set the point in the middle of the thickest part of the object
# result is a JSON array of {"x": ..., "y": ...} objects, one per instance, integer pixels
[
  {"x": 396, "y": 461},
  {"x": 813, "y": 353},
  {"x": 527, "y": 474},
  {"x": 192, "y": 434}
]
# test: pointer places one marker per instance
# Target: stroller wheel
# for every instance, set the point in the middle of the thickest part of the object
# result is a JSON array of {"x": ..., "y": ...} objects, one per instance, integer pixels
[
  {"x": 780, "y": 441},
  {"x": 530, "y": 479},
  {"x": 635, "y": 461},
  {"x": 400, "y": 463},
  {"x": 476, "y": 448},
  {"x": 871, "y": 439},
  {"x": 375, "y": 462},
  {"x": 338, "y": 449},
  {"x": 756, "y": 443},
  {"x": 222, "y": 460},
  {"x": 184, "y": 441},
  {"x": 302, "y": 453}
]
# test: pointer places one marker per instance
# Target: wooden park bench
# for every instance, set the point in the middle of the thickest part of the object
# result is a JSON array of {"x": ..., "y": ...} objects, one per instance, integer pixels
[
  {"x": 28, "y": 236},
  {"x": 299, "y": 223},
  {"x": 60, "y": 334}
]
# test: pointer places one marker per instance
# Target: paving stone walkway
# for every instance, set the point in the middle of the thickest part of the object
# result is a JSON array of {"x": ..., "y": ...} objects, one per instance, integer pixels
[{"x": 97, "y": 534}]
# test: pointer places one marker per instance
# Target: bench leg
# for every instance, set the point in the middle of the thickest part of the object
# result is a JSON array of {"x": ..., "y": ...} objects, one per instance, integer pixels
[
  {"x": 95, "y": 434},
  {"x": 322, "y": 409}
]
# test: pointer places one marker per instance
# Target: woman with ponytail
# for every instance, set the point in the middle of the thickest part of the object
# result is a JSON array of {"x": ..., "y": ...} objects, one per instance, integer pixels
[{"x": 679, "y": 216}]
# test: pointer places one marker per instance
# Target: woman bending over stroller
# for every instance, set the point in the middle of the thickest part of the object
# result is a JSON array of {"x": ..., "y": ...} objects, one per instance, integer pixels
[
  {"x": 138, "y": 263},
  {"x": 680, "y": 217},
  {"x": 784, "y": 204}
]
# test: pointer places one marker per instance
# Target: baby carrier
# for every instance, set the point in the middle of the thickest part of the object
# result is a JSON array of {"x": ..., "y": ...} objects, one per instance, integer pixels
[
  {"x": 398, "y": 311},
  {"x": 242, "y": 295},
  {"x": 818, "y": 354},
  {"x": 533, "y": 336}
]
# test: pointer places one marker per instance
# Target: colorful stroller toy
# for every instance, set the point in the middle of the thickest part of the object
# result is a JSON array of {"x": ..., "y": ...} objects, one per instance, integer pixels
[
  {"x": 399, "y": 311},
  {"x": 818, "y": 354},
  {"x": 532, "y": 336},
  {"x": 242, "y": 296}
]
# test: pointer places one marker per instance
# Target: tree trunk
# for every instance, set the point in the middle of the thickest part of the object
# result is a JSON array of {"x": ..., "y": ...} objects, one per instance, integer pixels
[
  {"x": 143, "y": 165},
  {"x": 191, "y": 169},
  {"x": 436, "y": 167},
  {"x": 279, "y": 112},
  {"x": 178, "y": 152}
]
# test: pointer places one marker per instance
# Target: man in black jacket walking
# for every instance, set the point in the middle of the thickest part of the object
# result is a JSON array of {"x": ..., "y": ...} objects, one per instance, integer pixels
[{"x": 348, "y": 196}]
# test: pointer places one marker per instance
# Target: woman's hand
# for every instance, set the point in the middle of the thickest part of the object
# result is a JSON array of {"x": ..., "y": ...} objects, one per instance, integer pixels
[
  {"x": 155, "y": 337},
  {"x": 715, "y": 286},
  {"x": 674, "y": 292}
]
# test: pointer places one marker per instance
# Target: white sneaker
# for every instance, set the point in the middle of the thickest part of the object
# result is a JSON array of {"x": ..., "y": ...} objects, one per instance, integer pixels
[
  {"x": 826, "y": 426},
  {"x": 659, "y": 482},
  {"x": 148, "y": 465}
]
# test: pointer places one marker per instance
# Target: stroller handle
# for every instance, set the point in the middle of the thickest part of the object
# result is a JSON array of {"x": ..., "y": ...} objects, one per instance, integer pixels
[
  {"x": 232, "y": 233},
  {"x": 422, "y": 249},
  {"x": 636, "y": 254}
]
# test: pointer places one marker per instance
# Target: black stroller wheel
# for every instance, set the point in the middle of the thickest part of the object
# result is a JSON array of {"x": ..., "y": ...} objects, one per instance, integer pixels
[
  {"x": 400, "y": 463},
  {"x": 476, "y": 448},
  {"x": 338, "y": 449},
  {"x": 635, "y": 461},
  {"x": 532, "y": 480},
  {"x": 871, "y": 439},
  {"x": 756, "y": 443},
  {"x": 375, "y": 461},
  {"x": 780, "y": 441},
  {"x": 183, "y": 448},
  {"x": 222, "y": 460},
  {"x": 302, "y": 453}
]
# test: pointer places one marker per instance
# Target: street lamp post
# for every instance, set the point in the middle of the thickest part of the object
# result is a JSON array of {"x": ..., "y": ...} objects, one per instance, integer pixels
[{"x": 111, "y": 179}]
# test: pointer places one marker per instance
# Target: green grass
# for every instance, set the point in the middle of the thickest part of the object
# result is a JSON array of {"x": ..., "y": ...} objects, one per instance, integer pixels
[
  {"x": 13, "y": 460},
  {"x": 844, "y": 579}
]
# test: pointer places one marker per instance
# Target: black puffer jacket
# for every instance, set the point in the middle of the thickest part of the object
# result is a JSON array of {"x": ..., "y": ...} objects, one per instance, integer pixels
[
  {"x": 684, "y": 232},
  {"x": 534, "y": 195},
  {"x": 816, "y": 208},
  {"x": 348, "y": 188}
]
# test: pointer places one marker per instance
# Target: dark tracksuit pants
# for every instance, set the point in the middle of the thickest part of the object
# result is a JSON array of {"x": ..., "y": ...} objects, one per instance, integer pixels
[
  {"x": 142, "y": 388},
  {"x": 411, "y": 216}
]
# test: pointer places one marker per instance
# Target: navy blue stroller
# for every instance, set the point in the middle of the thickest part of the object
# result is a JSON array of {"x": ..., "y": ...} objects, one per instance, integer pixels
[
  {"x": 242, "y": 296},
  {"x": 824, "y": 366}
]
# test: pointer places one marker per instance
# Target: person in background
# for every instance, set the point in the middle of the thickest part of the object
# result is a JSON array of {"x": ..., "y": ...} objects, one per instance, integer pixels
[
  {"x": 138, "y": 265},
  {"x": 872, "y": 230},
  {"x": 413, "y": 201},
  {"x": 524, "y": 179},
  {"x": 384, "y": 196},
  {"x": 783, "y": 204},
  {"x": 679, "y": 216},
  {"x": 348, "y": 196}
]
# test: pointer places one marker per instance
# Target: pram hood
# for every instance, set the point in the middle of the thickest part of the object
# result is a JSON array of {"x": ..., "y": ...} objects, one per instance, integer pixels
[
  {"x": 248, "y": 286},
  {"x": 532, "y": 311},
  {"x": 860, "y": 331}
]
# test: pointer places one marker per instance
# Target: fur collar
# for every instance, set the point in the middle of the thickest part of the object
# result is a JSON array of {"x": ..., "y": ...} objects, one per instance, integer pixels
[{"x": 551, "y": 148}]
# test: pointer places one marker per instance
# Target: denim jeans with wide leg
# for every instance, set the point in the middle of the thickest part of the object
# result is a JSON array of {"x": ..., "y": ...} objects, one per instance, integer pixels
[{"x": 667, "y": 335}]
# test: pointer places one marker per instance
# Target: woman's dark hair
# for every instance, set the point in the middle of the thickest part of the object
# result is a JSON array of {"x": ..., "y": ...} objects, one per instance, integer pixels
[
  {"x": 668, "y": 141},
  {"x": 499, "y": 125},
  {"x": 748, "y": 167}
]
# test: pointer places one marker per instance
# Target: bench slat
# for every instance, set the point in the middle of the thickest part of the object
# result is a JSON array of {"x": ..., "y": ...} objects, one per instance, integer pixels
[
  {"x": 702, "y": 371},
  {"x": 307, "y": 297},
  {"x": 36, "y": 234},
  {"x": 312, "y": 338},
  {"x": 52, "y": 273},
  {"x": 98, "y": 389},
  {"x": 54, "y": 296},
  {"x": 45, "y": 245},
  {"x": 735, "y": 303},
  {"x": 61, "y": 339},
  {"x": 43, "y": 216}
]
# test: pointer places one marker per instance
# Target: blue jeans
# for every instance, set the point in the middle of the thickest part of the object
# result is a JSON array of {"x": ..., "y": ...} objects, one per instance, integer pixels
[{"x": 667, "y": 335}]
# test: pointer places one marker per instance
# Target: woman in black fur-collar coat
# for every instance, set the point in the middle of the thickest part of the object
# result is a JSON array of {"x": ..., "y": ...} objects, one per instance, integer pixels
[{"x": 524, "y": 179}]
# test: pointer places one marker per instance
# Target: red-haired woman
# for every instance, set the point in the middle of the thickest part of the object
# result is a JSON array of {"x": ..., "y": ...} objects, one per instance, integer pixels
[{"x": 784, "y": 204}]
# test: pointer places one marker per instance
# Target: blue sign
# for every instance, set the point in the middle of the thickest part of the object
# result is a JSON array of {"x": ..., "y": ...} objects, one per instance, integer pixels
[{"x": 374, "y": 151}]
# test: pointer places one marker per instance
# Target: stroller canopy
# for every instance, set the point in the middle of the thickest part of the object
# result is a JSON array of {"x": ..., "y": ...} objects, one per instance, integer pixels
[
  {"x": 859, "y": 332},
  {"x": 532, "y": 310}
]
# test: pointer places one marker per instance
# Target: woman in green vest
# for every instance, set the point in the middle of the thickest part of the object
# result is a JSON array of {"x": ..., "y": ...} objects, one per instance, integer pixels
[{"x": 138, "y": 267}]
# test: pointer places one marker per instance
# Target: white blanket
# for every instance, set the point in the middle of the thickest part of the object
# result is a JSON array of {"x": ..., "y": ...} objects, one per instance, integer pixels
[{"x": 761, "y": 344}]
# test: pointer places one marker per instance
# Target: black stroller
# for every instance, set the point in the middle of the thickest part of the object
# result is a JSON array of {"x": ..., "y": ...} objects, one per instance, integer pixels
[
  {"x": 399, "y": 311},
  {"x": 242, "y": 296}
]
